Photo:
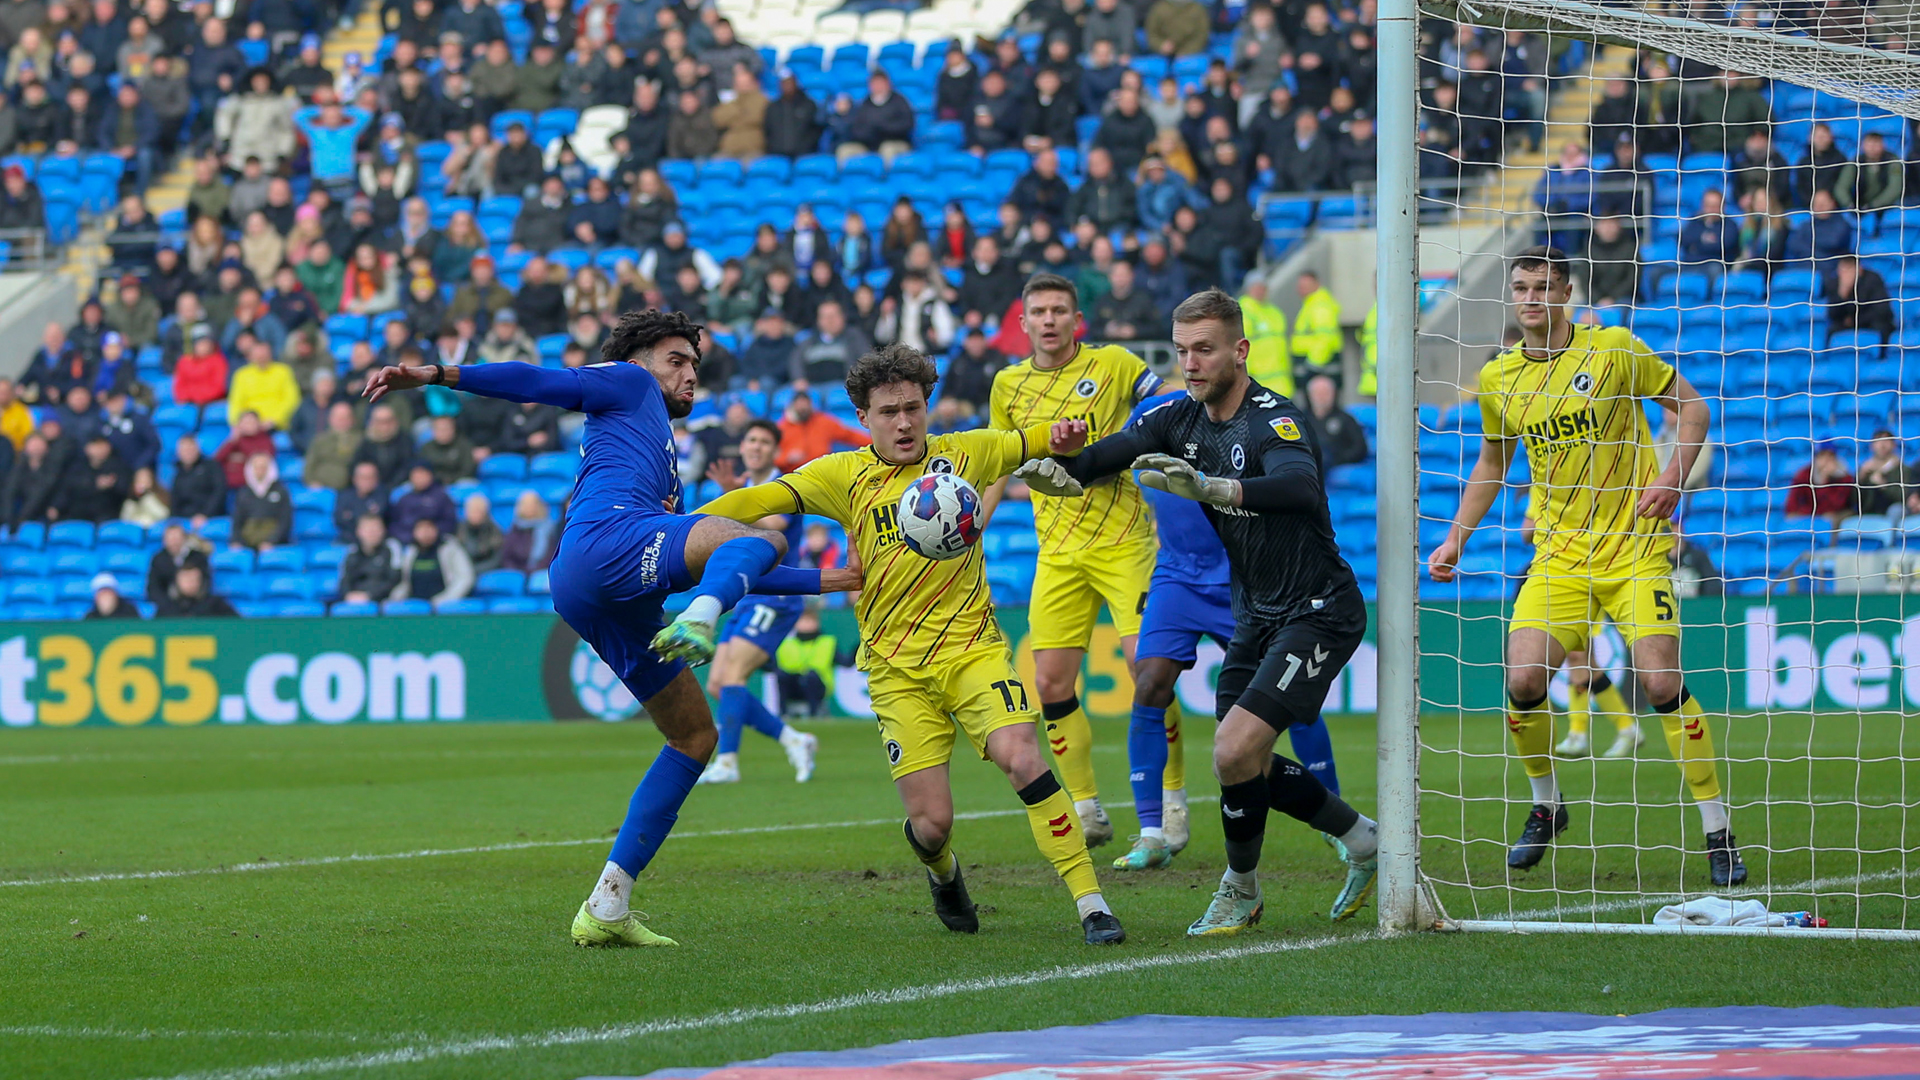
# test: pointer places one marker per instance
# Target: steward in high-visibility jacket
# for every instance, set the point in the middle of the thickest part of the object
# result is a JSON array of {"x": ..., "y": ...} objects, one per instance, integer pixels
[
  {"x": 1266, "y": 330},
  {"x": 1370, "y": 344},
  {"x": 1316, "y": 340}
]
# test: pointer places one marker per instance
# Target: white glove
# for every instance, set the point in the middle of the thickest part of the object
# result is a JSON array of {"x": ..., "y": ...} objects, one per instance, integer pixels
[
  {"x": 1046, "y": 476},
  {"x": 1164, "y": 472}
]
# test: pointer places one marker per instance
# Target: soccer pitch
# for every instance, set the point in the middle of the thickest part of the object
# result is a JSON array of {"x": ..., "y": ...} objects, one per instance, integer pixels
[{"x": 393, "y": 900}]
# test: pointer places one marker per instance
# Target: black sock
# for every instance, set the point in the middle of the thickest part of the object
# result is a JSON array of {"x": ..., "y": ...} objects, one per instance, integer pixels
[
  {"x": 1054, "y": 710},
  {"x": 1243, "y": 819}
]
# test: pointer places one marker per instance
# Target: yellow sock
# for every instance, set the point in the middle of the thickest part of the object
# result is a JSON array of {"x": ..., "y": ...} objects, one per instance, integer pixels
[
  {"x": 1691, "y": 742},
  {"x": 1056, "y": 830},
  {"x": 1175, "y": 778},
  {"x": 1070, "y": 738},
  {"x": 1578, "y": 715},
  {"x": 1532, "y": 732},
  {"x": 1611, "y": 703},
  {"x": 941, "y": 862}
]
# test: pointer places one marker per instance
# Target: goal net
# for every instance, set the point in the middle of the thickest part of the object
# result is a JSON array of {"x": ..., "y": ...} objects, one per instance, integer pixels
[{"x": 1731, "y": 186}]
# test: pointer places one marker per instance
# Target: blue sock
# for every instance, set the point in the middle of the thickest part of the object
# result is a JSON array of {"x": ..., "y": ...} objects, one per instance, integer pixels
[
  {"x": 1314, "y": 747},
  {"x": 757, "y": 716},
  {"x": 733, "y": 710},
  {"x": 654, "y": 809},
  {"x": 1147, "y": 761},
  {"x": 734, "y": 568},
  {"x": 789, "y": 581}
]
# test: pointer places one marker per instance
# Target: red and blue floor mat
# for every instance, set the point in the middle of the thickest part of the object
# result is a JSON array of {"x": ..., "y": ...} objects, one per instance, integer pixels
[{"x": 1677, "y": 1044}]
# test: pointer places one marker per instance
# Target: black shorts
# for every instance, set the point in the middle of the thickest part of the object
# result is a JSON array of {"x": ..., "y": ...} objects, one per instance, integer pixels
[{"x": 1281, "y": 671}]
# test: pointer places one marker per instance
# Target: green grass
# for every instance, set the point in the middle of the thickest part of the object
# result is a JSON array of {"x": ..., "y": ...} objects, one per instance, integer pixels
[{"x": 163, "y": 976}]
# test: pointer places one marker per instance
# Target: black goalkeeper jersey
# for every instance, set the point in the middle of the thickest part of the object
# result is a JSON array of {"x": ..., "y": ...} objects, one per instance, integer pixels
[{"x": 1280, "y": 542}]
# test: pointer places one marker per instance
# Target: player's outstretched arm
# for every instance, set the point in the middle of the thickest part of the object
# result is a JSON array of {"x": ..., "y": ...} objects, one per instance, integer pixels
[
  {"x": 1110, "y": 455},
  {"x": 512, "y": 381},
  {"x": 1042, "y": 473},
  {"x": 1489, "y": 475},
  {"x": 1662, "y": 497}
]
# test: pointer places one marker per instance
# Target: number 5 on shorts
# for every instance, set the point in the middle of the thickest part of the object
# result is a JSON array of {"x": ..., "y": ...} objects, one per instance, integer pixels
[{"x": 1663, "y": 602}]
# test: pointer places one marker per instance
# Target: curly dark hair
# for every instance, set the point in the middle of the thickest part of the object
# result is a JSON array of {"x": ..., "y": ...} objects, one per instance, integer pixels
[
  {"x": 638, "y": 331},
  {"x": 887, "y": 365}
]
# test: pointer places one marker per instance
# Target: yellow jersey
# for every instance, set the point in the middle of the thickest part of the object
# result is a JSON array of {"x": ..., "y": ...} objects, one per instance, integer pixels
[
  {"x": 912, "y": 610},
  {"x": 1100, "y": 385},
  {"x": 1587, "y": 444}
]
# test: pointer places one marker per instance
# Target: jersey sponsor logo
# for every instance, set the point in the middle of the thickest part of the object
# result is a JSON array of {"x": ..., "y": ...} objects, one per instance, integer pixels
[
  {"x": 940, "y": 465},
  {"x": 1192, "y": 448},
  {"x": 1582, "y": 383},
  {"x": 1239, "y": 457},
  {"x": 1286, "y": 428},
  {"x": 1577, "y": 425},
  {"x": 1086, "y": 387},
  {"x": 886, "y": 525}
]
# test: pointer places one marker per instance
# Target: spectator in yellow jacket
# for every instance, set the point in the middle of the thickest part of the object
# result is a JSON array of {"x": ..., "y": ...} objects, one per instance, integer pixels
[
  {"x": 16, "y": 420},
  {"x": 1370, "y": 347},
  {"x": 263, "y": 386},
  {"x": 1316, "y": 333},
  {"x": 1266, "y": 328}
]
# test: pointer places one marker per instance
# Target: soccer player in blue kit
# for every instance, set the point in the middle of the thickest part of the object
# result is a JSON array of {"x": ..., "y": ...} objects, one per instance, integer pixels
[
  {"x": 756, "y": 629},
  {"x": 1190, "y": 598},
  {"x": 626, "y": 545}
]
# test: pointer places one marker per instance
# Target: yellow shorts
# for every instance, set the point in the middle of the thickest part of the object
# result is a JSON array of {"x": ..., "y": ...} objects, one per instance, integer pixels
[
  {"x": 920, "y": 708},
  {"x": 1566, "y": 602},
  {"x": 1069, "y": 589}
]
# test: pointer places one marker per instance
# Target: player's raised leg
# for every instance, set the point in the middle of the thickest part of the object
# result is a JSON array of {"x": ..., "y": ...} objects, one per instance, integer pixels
[
  {"x": 679, "y": 710},
  {"x": 729, "y": 560},
  {"x": 1533, "y": 655}
]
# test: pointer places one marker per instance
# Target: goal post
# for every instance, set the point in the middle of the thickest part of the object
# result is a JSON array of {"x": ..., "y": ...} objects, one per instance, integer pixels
[{"x": 1807, "y": 665}]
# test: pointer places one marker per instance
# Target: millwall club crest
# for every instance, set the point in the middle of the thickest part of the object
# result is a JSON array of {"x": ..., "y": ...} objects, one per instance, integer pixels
[
  {"x": 1239, "y": 457},
  {"x": 940, "y": 465},
  {"x": 1583, "y": 383},
  {"x": 1085, "y": 387}
]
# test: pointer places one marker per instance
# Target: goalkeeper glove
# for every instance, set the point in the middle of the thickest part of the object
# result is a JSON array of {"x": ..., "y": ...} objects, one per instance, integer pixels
[
  {"x": 1163, "y": 472},
  {"x": 1046, "y": 476}
]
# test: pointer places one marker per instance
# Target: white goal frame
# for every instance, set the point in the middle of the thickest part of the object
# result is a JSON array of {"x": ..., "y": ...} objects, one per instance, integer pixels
[{"x": 1405, "y": 901}]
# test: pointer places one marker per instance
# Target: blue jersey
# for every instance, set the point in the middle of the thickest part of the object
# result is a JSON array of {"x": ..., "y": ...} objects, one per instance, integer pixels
[
  {"x": 1190, "y": 549},
  {"x": 629, "y": 464}
]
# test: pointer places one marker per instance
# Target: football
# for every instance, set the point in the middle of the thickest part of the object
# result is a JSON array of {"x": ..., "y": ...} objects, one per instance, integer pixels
[{"x": 940, "y": 516}]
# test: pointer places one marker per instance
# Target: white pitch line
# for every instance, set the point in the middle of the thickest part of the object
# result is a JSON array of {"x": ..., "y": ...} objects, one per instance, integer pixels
[
  {"x": 483, "y": 849},
  {"x": 905, "y": 995},
  {"x": 50, "y": 1031}
]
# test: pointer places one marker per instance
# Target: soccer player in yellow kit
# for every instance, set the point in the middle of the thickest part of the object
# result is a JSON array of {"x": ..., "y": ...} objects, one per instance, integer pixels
[
  {"x": 1603, "y": 508},
  {"x": 933, "y": 652},
  {"x": 1095, "y": 550}
]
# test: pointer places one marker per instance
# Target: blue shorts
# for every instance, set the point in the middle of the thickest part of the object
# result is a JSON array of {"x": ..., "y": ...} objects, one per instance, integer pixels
[
  {"x": 610, "y": 582},
  {"x": 1178, "y": 614},
  {"x": 763, "y": 621}
]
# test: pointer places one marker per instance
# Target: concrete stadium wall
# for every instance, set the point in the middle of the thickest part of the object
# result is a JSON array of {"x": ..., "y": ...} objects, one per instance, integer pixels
[{"x": 27, "y": 303}]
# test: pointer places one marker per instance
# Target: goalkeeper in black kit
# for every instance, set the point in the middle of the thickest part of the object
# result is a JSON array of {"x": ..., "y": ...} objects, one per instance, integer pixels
[{"x": 1249, "y": 457}]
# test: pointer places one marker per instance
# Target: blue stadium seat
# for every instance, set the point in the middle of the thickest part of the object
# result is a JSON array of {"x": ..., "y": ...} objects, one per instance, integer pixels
[
  {"x": 70, "y": 534},
  {"x": 32, "y": 591},
  {"x": 501, "y": 583},
  {"x": 506, "y": 117},
  {"x": 406, "y": 607},
  {"x": 353, "y": 609},
  {"x": 552, "y": 123},
  {"x": 324, "y": 556},
  {"x": 24, "y": 562},
  {"x": 74, "y": 561},
  {"x": 296, "y": 609},
  {"x": 818, "y": 166},
  {"x": 504, "y": 467},
  {"x": 288, "y": 587},
  {"x": 554, "y": 465},
  {"x": 538, "y": 585},
  {"x": 465, "y": 606},
  {"x": 233, "y": 560},
  {"x": 517, "y": 605},
  {"x": 772, "y": 167},
  {"x": 232, "y": 585},
  {"x": 29, "y": 534},
  {"x": 124, "y": 533},
  {"x": 611, "y": 257},
  {"x": 312, "y": 526},
  {"x": 347, "y": 327},
  {"x": 286, "y": 560}
]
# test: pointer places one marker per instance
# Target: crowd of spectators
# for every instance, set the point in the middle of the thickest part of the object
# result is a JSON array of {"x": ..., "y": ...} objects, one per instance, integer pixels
[{"x": 213, "y": 378}]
